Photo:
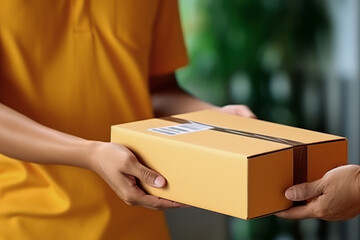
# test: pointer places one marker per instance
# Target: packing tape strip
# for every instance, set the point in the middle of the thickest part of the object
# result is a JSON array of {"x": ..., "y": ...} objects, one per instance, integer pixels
[{"x": 300, "y": 160}]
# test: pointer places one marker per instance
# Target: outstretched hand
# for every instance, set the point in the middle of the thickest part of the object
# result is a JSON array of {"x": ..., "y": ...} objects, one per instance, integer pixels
[{"x": 336, "y": 196}]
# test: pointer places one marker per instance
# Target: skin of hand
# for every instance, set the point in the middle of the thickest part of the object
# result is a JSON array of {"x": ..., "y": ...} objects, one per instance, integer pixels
[
  {"x": 334, "y": 197},
  {"x": 239, "y": 110},
  {"x": 120, "y": 169}
]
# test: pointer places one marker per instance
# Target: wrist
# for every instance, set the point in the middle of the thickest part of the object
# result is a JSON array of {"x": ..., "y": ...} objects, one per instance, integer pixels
[{"x": 88, "y": 158}]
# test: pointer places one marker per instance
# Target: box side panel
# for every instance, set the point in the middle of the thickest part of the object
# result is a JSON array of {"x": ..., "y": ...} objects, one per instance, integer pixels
[
  {"x": 197, "y": 176},
  {"x": 269, "y": 176},
  {"x": 323, "y": 157}
]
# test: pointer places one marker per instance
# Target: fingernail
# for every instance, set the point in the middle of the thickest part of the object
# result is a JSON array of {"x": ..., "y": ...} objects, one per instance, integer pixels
[
  {"x": 290, "y": 194},
  {"x": 159, "y": 181}
]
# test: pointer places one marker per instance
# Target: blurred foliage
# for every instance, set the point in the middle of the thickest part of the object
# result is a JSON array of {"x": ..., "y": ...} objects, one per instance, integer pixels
[
  {"x": 260, "y": 53},
  {"x": 253, "y": 52}
]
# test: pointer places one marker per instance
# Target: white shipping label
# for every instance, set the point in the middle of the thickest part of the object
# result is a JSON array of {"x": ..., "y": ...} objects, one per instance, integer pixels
[{"x": 181, "y": 129}]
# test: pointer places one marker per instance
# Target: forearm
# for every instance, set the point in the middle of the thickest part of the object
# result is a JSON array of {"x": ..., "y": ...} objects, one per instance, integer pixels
[
  {"x": 24, "y": 139},
  {"x": 175, "y": 101},
  {"x": 169, "y": 99}
]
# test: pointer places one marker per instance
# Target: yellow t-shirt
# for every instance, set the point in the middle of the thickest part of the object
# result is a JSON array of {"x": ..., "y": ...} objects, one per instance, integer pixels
[{"x": 80, "y": 66}]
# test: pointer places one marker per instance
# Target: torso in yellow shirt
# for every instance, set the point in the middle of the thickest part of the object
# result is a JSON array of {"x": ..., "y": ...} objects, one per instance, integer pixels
[{"x": 80, "y": 66}]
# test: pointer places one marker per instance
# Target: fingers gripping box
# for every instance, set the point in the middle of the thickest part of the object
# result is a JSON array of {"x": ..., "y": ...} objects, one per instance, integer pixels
[{"x": 229, "y": 164}]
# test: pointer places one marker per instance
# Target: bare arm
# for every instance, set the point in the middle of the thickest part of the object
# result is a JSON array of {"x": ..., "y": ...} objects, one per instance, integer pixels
[
  {"x": 168, "y": 99},
  {"x": 24, "y": 139},
  {"x": 27, "y": 140}
]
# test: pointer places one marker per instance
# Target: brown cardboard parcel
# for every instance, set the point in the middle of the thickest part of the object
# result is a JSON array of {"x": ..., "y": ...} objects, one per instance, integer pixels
[{"x": 229, "y": 164}]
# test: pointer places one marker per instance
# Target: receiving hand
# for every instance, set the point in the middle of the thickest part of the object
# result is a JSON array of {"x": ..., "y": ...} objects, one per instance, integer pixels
[
  {"x": 120, "y": 169},
  {"x": 336, "y": 196},
  {"x": 239, "y": 110}
]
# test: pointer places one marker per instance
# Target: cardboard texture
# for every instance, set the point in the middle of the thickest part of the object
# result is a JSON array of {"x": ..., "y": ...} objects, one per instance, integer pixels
[{"x": 211, "y": 166}]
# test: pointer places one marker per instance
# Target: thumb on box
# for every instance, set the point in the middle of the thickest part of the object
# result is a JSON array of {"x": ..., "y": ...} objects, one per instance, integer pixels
[
  {"x": 304, "y": 191},
  {"x": 150, "y": 177}
]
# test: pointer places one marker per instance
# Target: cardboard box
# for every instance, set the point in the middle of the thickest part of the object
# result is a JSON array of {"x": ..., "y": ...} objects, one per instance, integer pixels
[{"x": 228, "y": 164}]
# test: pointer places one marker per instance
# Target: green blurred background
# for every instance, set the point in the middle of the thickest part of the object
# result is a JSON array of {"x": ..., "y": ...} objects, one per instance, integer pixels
[
  {"x": 253, "y": 52},
  {"x": 281, "y": 58}
]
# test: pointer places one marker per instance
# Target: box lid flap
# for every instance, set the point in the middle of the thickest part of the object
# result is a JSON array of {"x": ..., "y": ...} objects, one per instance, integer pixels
[{"x": 225, "y": 141}]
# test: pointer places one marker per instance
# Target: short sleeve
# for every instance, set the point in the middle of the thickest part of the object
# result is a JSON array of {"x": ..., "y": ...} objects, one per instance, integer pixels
[{"x": 168, "y": 51}]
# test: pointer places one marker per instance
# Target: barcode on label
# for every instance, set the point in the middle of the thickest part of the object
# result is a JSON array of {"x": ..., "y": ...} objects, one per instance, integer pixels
[{"x": 181, "y": 129}]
